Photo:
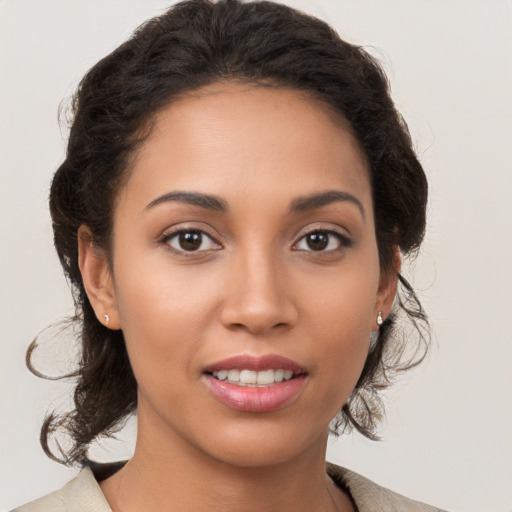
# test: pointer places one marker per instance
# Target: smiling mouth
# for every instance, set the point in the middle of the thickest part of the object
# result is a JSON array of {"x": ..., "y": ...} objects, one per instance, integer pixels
[
  {"x": 251, "y": 378},
  {"x": 255, "y": 384}
]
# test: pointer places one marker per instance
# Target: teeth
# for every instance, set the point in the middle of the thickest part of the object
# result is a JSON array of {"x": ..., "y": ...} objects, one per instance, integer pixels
[
  {"x": 248, "y": 377},
  {"x": 278, "y": 375},
  {"x": 266, "y": 377},
  {"x": 252, "y": 378},
  {"x": 288, "y": 375},
  {"x": 233, "y": 375}
]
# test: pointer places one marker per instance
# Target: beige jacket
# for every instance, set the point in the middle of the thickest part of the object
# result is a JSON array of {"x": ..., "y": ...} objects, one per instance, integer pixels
[{"x": 83, "y": 494}]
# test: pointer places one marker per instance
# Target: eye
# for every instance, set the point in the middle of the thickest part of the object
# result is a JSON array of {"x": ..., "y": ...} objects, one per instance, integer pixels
[
  {"x": 322, "y": 241},
  {"x": 190, "y": 240}
]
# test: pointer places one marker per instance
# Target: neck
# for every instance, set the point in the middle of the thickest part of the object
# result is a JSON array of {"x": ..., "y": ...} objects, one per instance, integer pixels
[{"x": 169, "y": 473}]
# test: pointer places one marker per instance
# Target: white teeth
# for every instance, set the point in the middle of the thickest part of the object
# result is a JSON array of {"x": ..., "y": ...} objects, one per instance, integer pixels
[
  {"x": 248, "y": 377},
  {"x": 266, "y": 377},
  {"x": 233, "y": 375},
  {"x": 253, "y": 378},
  {"x": 278, "y": 375}
]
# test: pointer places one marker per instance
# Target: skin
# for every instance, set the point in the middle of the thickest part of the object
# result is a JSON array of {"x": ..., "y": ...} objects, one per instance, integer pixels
[{"x": 253, "y": 287}]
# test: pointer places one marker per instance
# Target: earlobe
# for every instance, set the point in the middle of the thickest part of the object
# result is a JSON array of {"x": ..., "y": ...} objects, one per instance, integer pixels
[
  {"x": 387, "y": 290},
  {"x": 97, "y": 279}
]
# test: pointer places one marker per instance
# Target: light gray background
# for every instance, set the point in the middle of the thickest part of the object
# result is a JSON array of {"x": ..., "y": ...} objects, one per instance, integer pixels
[{"x": 448, "y": 439}]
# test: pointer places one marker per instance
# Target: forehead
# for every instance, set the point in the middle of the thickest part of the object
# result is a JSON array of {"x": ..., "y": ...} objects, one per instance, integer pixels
[{"x": 246, "y": 140}]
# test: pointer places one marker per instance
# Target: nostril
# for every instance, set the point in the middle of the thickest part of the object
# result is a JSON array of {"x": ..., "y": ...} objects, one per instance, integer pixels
[{"x": 257, "y": 309}]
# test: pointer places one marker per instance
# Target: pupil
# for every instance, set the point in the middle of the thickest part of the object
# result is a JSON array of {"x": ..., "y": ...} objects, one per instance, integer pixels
[
  {"x": 317, "y": 241},
  {"x": 190, "y": 241}
]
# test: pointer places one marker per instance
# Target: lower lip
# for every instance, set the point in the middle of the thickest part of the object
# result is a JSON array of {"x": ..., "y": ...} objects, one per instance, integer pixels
[{"x": 256, "y": 399}]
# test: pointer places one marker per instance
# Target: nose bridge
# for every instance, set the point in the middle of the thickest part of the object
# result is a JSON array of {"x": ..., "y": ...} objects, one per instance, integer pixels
[{"x": 257, "y": 295}]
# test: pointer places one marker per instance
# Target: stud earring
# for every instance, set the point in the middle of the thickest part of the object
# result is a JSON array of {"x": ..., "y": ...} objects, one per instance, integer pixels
[
  {"x": 379, "y": 318},
  {"x": 107, "y": 319}
]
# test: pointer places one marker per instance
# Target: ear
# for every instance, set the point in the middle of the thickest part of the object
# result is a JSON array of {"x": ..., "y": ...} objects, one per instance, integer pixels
[
  {"x": 97, "y": 279},
  {"x": 387, "y": 288}
]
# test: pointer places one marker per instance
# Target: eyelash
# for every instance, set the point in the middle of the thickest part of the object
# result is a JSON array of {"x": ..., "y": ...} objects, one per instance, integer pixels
[
  {"x": 168, "y": 236},
  {"x": 343, "y": 240}
]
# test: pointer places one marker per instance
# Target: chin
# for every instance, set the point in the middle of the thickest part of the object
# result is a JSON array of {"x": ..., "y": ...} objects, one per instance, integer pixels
[{"x": 265, "y": 443}]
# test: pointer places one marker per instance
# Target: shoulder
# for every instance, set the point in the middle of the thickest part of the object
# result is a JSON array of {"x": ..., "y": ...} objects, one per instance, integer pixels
[
  {"x": 82, "y": 494},
  {"x": 371, "y": 497}
]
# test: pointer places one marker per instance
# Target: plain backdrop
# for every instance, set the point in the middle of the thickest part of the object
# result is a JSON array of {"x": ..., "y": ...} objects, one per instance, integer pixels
[{"x": 448, "y": 435}]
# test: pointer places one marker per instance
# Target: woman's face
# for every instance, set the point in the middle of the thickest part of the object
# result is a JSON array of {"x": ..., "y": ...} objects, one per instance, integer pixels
[{"x": 244, "y": 250}]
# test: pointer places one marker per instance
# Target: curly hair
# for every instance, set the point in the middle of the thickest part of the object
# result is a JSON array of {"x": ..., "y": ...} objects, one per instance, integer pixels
[{"x": 191, "y": 45}]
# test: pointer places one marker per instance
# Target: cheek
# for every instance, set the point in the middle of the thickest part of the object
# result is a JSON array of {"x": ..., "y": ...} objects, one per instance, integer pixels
[
  {"x": 340, "y": 320},
  {"x": 341, "y": 352},
  {"x": 160, "y": 293},
  {"x": 344, "y": 301},
  {"x": 341, "y": 343},
  {"x": 164, "y": 316}
]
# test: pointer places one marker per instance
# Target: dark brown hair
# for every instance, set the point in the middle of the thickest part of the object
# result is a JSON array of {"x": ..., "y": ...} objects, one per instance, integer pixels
[{"x": 193, "y": 44}]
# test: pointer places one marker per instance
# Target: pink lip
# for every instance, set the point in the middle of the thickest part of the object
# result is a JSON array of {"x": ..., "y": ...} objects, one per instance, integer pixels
[{"x": 256, "y": 399}]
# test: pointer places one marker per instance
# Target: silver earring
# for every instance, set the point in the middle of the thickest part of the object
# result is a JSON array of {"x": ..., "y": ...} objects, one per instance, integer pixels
[
  {"x": 379, "y": 318},
  {"x": 107, "y": 319}
]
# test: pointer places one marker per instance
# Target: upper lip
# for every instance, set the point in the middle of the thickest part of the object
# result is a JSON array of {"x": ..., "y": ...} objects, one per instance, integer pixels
[{"x": 261, "y": 363}]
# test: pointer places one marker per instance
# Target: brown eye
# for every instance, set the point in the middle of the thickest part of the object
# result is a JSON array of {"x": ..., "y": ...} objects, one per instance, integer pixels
[
  {"x": 317, "y": 241},
  {"x": 191, "y": 241},
  {"x": 322, "y": 241}
]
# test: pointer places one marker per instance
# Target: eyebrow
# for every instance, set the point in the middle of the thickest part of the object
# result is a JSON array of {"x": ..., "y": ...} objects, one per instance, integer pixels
[
  {"x": 312, "y": 201},
  {"x": 206, "y": 201},
  {"x": 300, "y": 204}
]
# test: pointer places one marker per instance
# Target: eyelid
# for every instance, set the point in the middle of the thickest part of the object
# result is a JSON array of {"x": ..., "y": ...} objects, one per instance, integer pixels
[
  {"x": 342, "y": 236},
  {"x": 172, "y": 232},
  {"x": 344, "y": 239}
]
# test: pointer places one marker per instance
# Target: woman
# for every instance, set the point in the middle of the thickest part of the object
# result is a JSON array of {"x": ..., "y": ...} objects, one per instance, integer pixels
[{"x": 236, "y": 196}]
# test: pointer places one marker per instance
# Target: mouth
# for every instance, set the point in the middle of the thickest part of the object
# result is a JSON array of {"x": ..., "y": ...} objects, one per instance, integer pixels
[
  {"x": 253, "y": 378},
  {"x": 256, "y": 384}
]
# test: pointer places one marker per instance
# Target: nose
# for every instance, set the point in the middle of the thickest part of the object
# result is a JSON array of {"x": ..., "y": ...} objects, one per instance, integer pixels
[{"x": 258, "y": 296}]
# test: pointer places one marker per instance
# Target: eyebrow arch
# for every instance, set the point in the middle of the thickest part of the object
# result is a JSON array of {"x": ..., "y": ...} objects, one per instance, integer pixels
[
  {"x": 205, "y": 201},
  {"x": 312, "y": 201}
]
